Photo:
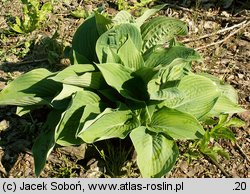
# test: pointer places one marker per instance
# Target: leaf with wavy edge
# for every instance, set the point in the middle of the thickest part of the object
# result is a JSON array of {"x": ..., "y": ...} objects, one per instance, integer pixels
[
  {"x": 156, "y": 153},
  {"x": 160, "y": 30},
  {"x": 108, "y": 124}
]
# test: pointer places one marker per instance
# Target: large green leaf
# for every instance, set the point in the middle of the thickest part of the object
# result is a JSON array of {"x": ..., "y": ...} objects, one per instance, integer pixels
[
  {"x": 32, "y": 88},
  {"x": 20, "y": 110},
  {"x": 66, "y": 92},
  {"x": 199, "y": 95},
  {"x": 45, "y": 141},
  {"x": 77, "y": 58},
  {"x": 109, "y": 124},
  {"x": 111, "y": 94},
  {"x": 92, "y": 80},
  {"x": 120, "y": 78},
  {"x": 156, "y": 153},
  {"x": 226, "y": 89},
  {"x": 146, "y": 74},
  {"x": 123, "y": 17},
  {"x": 176, "y": 124},
  {"x": 176, "y": 70},
  {"x": 91, "y": 111},
  {"x": 102, "y": 23},
  {"x": 160, "y": 30},
  {"x": 66, "y": 133},
  {"x": 73, "y": 70},
  {"x": 167, "y": 94},
  {"x": 163, "y": 86},
  {"x": 85, "y": 38},
  {"x": 225, "y": 106},
  {"x": 62, "y": 99},
  {"x": 148, "y": 13},
  {"x": 111, "y": 41},
  {"x": 164, "y": 56},
  {"x": 130, "y": 59},
  {"x": 228, "y": 100},
  {"x": 115, "y": 74}
]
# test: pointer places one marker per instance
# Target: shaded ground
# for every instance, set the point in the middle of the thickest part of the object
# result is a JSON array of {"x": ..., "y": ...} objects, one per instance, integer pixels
[{"x": 228, "y": 59}]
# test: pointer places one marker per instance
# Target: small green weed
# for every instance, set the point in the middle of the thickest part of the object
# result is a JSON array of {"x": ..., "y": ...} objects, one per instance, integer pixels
[
  {"x": 114, "y": 157},
  {"x": 81, "y": 13},
  {"x": 65, "y": 171},
  {"x": 33, "y": 14}
]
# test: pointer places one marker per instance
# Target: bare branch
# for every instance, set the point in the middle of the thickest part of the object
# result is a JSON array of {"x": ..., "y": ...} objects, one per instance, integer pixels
[
  {"x": 225, "y": 39},
  {"x": 215, "y": 33},
  {"x": 26, "y": 62},
  {"x": 242, "y": 152}
]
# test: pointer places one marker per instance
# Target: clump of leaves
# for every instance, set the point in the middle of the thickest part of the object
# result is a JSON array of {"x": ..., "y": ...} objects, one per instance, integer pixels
[
  {"x": 33, "y": 14},
  {"x": 220, "y": 131},
  {"x": 114, "y": 155},
  {"x": 124, "y": 81}
]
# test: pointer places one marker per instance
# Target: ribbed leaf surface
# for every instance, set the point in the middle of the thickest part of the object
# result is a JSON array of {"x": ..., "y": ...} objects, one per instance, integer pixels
[
  {"x": 32, "y": 88},
  {"x": 160, "y": 30},
  {"x": 113, "y": 39},
  {"x": 73, "y": 70},
  {"x": 123, "y": 17},
  {"x": 66, "y": 133},
  {"x": 164, "y": 56},
  {"x": 120, "y": 78},
  {"x": 156, "y": 153},
  {"x": 45, "y": 142},
  {"x": 102, "y": 23},
  {"x": 228, "y": 100},
  {"x": 92, "y": 80},
  {"x": 167, "y": 94},
  {"x": 200, "y": 95},
  {"x": 130, "y": 56},
  {"x": 109, "y": 124},
  {"x": 148, "y": 13},
  {"x": 176, "y": 124},
  {"x": 85, "y": 38}
]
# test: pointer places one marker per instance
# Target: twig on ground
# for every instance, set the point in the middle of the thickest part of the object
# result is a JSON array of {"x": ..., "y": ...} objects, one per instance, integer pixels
[
  {"x": 242, "y": 152},
  {"x": 81, "y": 3},
  {"x": 227, "y": 175},
  {"x": 226, "y": 19},
  {"x": 210, "y": 17},
  {"x": 29, "y": 152},
  {"x": 26, "y": 62},
  {"x": 179, "y": 7},
  {"x": 212, "y": 34},
  {"x": 3, "y": 171},
  {"x": 225, "y": 39}
]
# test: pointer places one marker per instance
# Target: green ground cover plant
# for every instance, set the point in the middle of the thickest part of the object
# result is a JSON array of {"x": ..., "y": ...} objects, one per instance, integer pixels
[
  {"x": 33, "y": 14},
  {"x": 129, "y": 77}
]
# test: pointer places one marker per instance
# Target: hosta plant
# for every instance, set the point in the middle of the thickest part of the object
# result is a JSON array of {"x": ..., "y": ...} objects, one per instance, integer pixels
[{"x": 129, "y": 78}]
